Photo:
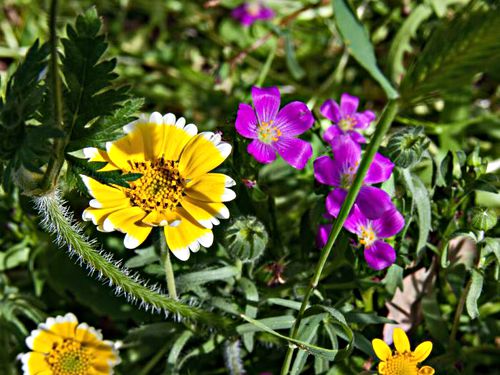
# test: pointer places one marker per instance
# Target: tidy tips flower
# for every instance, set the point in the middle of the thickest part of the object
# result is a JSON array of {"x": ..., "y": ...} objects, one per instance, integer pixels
[
  {"x": 378, "y": 254},
  {"x": 176, "y": 190},
  {"x": 273, "y": 130},
  {"x": 340, "y": 171},
  {"x": 61, "y": 346},
  {"x": 345, "y": 118},
  {"x": 249, "y": 12},
  {"x": 403, "y": 361}
]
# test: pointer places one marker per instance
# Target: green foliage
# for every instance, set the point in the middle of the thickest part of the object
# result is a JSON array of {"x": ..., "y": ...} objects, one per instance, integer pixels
[
  {"x": 484, "y": 219},
  {"x": 450, "y": 59}
]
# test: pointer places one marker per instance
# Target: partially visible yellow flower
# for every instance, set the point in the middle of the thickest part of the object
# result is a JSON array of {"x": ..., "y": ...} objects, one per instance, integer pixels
[
  {"x": 61, "y": 346},
  {"x": 403, "y": 361},
  {"x": 176, "y": 190}
]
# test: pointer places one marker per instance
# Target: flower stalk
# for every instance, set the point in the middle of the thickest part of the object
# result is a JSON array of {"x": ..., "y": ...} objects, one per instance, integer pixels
[
  {"x": 167, "y": 264},
  {"x": 383, "y": 126}
]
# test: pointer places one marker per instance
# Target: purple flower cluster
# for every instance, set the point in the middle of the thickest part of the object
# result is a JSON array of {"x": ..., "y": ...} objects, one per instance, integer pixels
[
  {"x": 373, "y": 217},
  {"x": 249, "y": 12}
]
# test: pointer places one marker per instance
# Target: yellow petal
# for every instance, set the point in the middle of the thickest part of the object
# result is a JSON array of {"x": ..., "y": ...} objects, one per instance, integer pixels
[
  {"x": 401, "y": 341},
  {"x": 188, "y": 235},
  {"x": 205, "y": 213},
  {"x": 98, "y": 215},
  {"x": 128, "y": 220},
  {"x": 152, "y": 132},
  {"x": 126, "y": 149},
  {"x": 65, "y": 326},
  {"x": 41, "y": 340},
  {"x": 176, "y": 139},
  {"x": 101, "y": 192},
  {"x": 34, "y": 363},
  {"x": 87, "y": 335},
  {"x": 381, "y": 349},
  {"x": 381, "y": 367},
  {"x": 94, "y": 154},
  {"x": 211, "y": 187},
  {"x": 426, "y": 370},
  {"x": 422, "y": 351},
  {"x": 203, "y": 153}
]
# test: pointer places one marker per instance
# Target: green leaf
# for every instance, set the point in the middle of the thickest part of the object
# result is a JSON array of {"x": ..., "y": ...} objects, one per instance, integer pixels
[
  {"x": 450, "y": 59},
  {"x": 276, "y": 322},
  {"x": 252, "y": 296},
  {"x": 492, "y": 245},
  {"x": 393, "y": 278},
  {"x": 291, "y": 60},
  {"x": 420, "y": 200},
  {"x": 358, "y": 44},
  {"x": 143, "y": 258},
  {"x": 437, "y": 325},
  {"x": 307, "y": 332},
  {"x": 188, "y": 280},
  {"x": 474, "y": 293},
  {"x": 175, "y": 351},
  {"x": 366, "y": 318},
  {"x": 401, "y": 42},
  {"x": 88, "y": 94}
]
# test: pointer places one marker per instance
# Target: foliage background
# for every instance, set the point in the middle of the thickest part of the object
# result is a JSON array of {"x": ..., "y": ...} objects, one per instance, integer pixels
[{"x": 181, "y": 56}]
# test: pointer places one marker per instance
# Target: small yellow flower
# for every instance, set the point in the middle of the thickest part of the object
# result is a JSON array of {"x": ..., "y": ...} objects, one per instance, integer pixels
[
  {"x": 61, "y": 346},
  {"x": 403, "y": 361},
  {"x": 176, "y": 190}
]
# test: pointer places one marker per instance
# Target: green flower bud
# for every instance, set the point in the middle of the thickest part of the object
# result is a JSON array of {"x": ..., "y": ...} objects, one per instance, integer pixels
[
  {"x": 405, "y": 148},
  {"x": 246, "y": 239},
  {"x": 484, "y": 218}
]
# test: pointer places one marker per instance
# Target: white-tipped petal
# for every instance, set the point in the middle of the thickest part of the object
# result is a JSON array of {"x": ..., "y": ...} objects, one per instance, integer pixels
[
  {"x": 90, "y": 152},
  {"x": 181, "y": 121},
  {"x": 207, "y": 239},
  {"x": 169, "y": 119},
  {"x": 229, "y": 182},
  {"x": 174, "y": 223},
  {"x": 182, "y": 254},
  {"x": 130, "y": 242},
  {"x": 107, "y": 226},
  {"x": 95, "y": 203},
  {"x": 163, "y": 223},
  {"x": 224, "y": 148},
  {"x": 130, "y": 127},
  {"x": 191, "y": 129},
  {"x": 223, "y": 213},
  {"x": 156, "y": 118},
  {"x": 228, "y": 195},
  {"x": 194, "y": 247}
]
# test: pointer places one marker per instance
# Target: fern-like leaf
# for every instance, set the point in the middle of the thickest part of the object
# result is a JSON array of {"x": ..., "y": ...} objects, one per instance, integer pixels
[{"x": 457, "y": 50}]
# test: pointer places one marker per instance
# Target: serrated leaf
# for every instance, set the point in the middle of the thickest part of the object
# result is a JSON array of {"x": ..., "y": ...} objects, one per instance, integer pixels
[
  {"x": 358, "y": 44},
  {"x": 474, "y": 293}
]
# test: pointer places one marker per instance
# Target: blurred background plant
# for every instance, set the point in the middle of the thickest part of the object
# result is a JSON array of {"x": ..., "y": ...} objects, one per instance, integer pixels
[{"x": 191, "y": 58}]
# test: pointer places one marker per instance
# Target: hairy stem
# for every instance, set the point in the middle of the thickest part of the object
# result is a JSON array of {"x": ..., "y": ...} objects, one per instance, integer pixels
[
  {"x": 383, "y": 126},
  {"x": 57, "y": 158},
  {"x": 167, "y": 264},
  {"x": 59, "y": 221}
]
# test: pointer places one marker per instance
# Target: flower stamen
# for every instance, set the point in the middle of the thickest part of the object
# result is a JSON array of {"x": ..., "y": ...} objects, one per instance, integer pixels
[
  {"x": 268, "y": 133},
  {"x": 69, "y": 358},
  {"x": 347, "y": 123}
]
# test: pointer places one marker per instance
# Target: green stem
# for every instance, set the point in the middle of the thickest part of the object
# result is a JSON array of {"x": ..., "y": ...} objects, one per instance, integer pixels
[
  {"x": 383, "y": 126},
  {"x": 167, "y": 264},
  {"x": 156, "y": 358},
  {"x": 56, "y": 161}
]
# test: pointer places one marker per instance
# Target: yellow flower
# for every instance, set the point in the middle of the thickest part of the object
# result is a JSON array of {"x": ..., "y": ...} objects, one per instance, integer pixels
[
  {"x": 61, "y": 346},
  {"x": 403, "y": 361},
  {"x": 175, "y": 191}
]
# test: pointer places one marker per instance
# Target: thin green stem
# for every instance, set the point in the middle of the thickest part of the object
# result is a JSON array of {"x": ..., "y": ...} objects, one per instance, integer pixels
[
  {"x": 156, "y": 358},
  {"x": 167, "y": 264},
  {"x": 57, "y": 159},
  {"x": 383, "y": 126}
]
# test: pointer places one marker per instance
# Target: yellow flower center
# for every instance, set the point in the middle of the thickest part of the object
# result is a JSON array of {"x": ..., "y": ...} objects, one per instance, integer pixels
[
  {"x": 161, "y": 186},
  {"x": 268, "y": 133},
  {"x": 347, "y": 123},
  {"x": 367, "y": 236},
  {"x": 401, "y": 364},
  {"x": 69, "y": 358}
]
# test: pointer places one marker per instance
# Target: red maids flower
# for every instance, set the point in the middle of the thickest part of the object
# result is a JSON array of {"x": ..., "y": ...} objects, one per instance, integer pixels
[
  {"x": 340, "y": 171},
  {"x": 248, "y": 13},
  {"x": 346, "y": 121},
  {"x": 273, "y": 130}
]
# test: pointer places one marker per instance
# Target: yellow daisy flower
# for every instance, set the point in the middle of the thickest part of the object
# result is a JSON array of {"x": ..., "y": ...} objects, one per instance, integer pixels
[
  {"x": 176, "y": 190},
  {"x": 403, "y": 361},
  {"x": 61, "y": 346}
]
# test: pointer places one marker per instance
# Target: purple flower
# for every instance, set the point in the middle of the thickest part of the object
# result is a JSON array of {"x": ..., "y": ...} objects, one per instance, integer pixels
[
  {"x": 322, "y": 235},
  {"x": 340, "y": 171},
  {"x": 248, "y": 13},
  {"x": 274, "y": 130},
  {"x": 378, "y": 254},
  {"x": 345, "y": 118}
]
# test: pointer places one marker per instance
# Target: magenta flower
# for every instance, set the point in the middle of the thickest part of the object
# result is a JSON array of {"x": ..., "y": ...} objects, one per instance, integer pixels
[
  {"x": 378, "y": 254},
  {"x": 345, "y": 118},
  {"x": 340, "y": 171},
  {"x": 274, "y": 130},
  {"x": 248, "y": 13},
  {"x": 322, "y": 235}
]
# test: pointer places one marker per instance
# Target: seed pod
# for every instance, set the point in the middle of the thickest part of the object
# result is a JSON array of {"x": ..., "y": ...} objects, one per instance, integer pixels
[
  {"x": 405, "y": 148},
  {"x": 246, "y": 239}
]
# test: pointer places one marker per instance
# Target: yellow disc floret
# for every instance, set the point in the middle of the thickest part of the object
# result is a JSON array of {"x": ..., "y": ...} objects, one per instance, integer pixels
[{"x": 69, "y": 358}]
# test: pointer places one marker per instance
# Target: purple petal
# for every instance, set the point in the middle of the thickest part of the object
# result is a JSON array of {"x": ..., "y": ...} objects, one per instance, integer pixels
[
  {"x": 331, "y": 110},
  {"x": 346, "y": 152},
  {"x": 323, "y": 234},
  {"x": 265, "y": 13},
  {"x": 348, "y": 104},
  {"x": 294, "y": 119},
  {"x": 266, "y": 101},
  {"x": 246, "y": 121},
  {"x": 373, "y": 202},
  {"x": 355, "y": 220},
  {"x": 294, "y": 151},
  {"x": 380, "y": 255},
  {"x": 262, "y": 152},
  {"x": 334, "y": 201},
  {"x": 332, "y": 133},
  {"x": 364, "y": 119},
  {"x": 356, "y": 137},
  {"x": 380, "y": 170},
  {"x": 389, "y": 224},
  {"x": 326, "y": 171},
  {"x": 242, "y": 15}
]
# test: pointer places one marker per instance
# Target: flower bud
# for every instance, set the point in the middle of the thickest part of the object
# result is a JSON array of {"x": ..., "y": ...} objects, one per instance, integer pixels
[
  {"x": 246, "y": 239},
  {"x": 405, "y": 148}
]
